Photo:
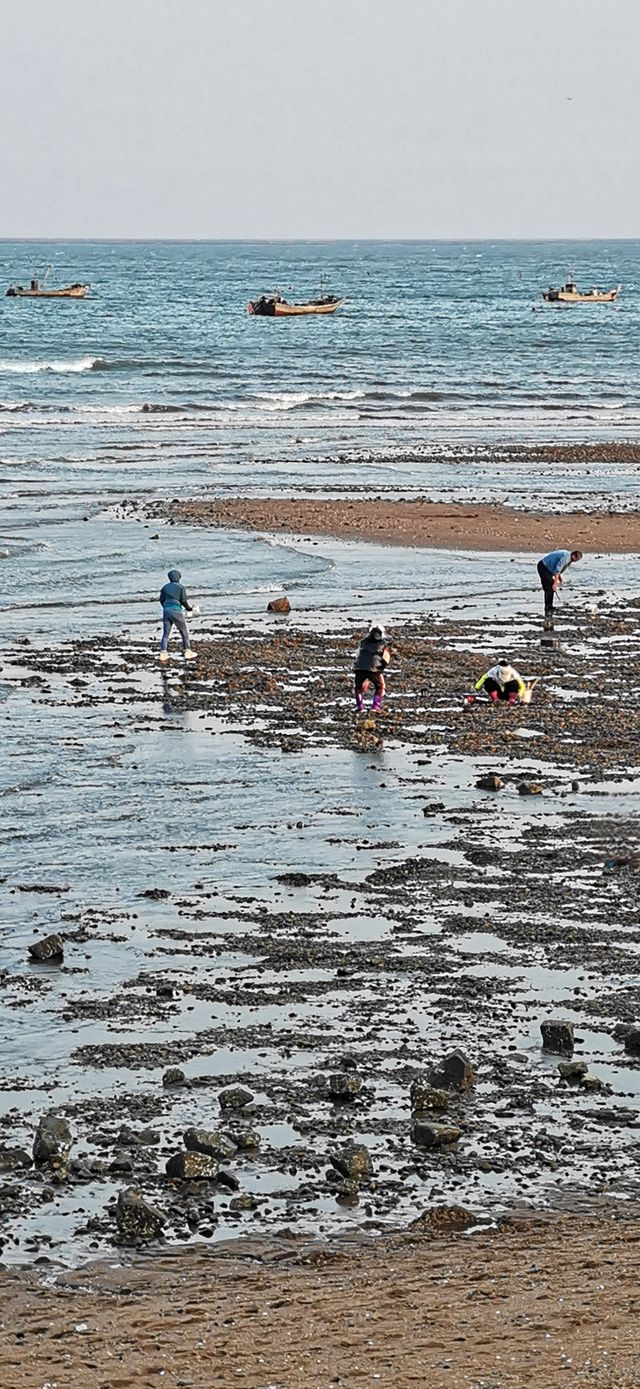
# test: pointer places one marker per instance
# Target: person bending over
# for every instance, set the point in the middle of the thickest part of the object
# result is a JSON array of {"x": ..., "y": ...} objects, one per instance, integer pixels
[
  {"x": 372, "y": 660},
  {"x": 550, "y": 569},
  {"x": 502, "y": 682},
  {"x": 174, "y": 602}
]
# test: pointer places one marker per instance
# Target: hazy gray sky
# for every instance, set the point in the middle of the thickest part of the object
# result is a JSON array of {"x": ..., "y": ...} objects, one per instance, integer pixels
[{"x": 319, "y": 118}]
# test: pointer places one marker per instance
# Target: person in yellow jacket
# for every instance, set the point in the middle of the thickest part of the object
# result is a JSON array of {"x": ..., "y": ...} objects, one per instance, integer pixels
[{"x": 502, "y": 682}]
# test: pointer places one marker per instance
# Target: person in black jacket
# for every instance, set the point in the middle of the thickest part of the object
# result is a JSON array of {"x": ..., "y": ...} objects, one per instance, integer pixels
[{"x": 371, "y": 662}]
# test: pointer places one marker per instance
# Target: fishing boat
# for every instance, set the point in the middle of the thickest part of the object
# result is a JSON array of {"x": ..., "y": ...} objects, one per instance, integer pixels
[
  {"x": 570, "y": 294},
  {"x": 40, "y": 290},
  {"x": 274, "y": 306}
]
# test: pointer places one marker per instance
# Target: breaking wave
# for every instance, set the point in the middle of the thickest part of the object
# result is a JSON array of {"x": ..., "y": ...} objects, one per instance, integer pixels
[{"x": 26, "y": 367}]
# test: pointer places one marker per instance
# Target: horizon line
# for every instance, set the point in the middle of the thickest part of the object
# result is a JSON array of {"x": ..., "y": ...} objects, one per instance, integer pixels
[{"x": 306, "y": 240}]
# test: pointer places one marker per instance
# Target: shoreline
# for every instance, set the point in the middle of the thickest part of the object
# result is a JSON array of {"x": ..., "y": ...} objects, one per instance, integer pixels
[
  {"x": 420, "y": 523},
  {"x": 421, "y": 1307}
]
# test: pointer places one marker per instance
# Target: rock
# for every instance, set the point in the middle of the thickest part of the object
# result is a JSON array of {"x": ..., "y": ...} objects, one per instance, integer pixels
[
  {"x": 344, "y": 1087},
  {"x": 632, "y": 1041},
  {"x": 156, "y": 894},
  {"x": 243, "y": 1203},
  {"x": 573, "y": 1070},
  {"x": 353, "y": 1161},
  {"x": 557, "y": 1036},
  {"x": 455, "y": 1072},
  {"x": 430, "y": 1135},
  {"x": 591, "y": 1082},
  {"x": 246, "y": 1139},
  {"x": 136, "y": 1219},
  {"x": 279, "y": 605},
  {"x": 11, "y": 1159},
  {"x": 530, "y": 788},
  {"x": 53, "y": 1139},
  {"x": 444, "y": 1220},
  {"x": 425, "y": 1096},
  {"x": 207, "y": 1141},
  {"x": 137, "y": 1138},
  {"x": 192, "y": 1167},
  {"x": 234, "y": 1097},
  {"x": 490, "y": 782},
  {"x": 174, "y": 1076},
  {"x": 49, "y": 950},
  {"x": 228, "y": 1179}
]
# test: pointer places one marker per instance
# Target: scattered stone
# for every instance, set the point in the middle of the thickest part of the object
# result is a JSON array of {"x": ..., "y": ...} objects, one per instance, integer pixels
[
  {"x": 228, "y": 1179},
  {"x": 591, "y": 1082},
  {"x": 174, "y": 1076},
  {"x": 136, "y": 1219},
  {"x": 208, "y": 1141},
  {"x": 353, "y": 1161},
  {"x": 279, "y": 605},
  {"x": 442, "y": 1220},
  {"x": 192, "y": 1166},
  {"x": 49, "y": 950},
  {"x": 235, "y": 1097},
  {"x": 246, "y": 1139},
  {"x": 53, "y": 1139},
  {"x": 490, "y": 782},
  {"x": 156, "y": 894},
  {"x": 557, "y": 1035},
  {"x": 137, "y": 1138},
  {"x": 344, "y": 1087},
  {"x": 243, "y": 1203},
  {"x": 455, "y": 1072},
  {"x": 425, "y": 1096},
  {"x": 430, "y": 1135},
  {"x": 573, "y": 1070},
  {"x": 530, "y": 788}
]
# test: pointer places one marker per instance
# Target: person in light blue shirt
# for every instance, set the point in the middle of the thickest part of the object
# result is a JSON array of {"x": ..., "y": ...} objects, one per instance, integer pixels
[
  {"x": 173, "y": 598},
  {"x": 550, "y": 569}
]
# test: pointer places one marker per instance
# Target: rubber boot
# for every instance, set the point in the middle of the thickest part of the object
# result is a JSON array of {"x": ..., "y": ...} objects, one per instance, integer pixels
[{"x": 377, "y": 704}]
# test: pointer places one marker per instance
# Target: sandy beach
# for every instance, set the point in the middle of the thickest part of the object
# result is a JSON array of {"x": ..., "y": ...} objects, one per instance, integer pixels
[
  {"x": 421, "y": 523},
  {"x": 539, "y": 1302}
]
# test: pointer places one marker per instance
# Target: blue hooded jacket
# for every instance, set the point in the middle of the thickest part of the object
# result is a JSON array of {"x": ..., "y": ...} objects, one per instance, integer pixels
[{"x": 172, "y": 595}]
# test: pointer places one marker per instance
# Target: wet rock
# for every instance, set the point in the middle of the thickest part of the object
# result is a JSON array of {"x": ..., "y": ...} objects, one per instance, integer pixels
[
  {"x": 228, "y": 1179},
  {"x": 246, "y": 1139},
  {"x": 235, "y": 1097},
  {"x": 156, "y": 894},
  {"x": 353, "y": 1161},
  {"x": 12, "y": 1159},
  {"x": 591, "y": 1082},
  {"x": 49, "y": 950},
  {"x": 279, "y": 605},
  {"x": 207, "y": 1141},
  {"x": 490, "y": 782},
  {"x": 136, "y": 1220},
  {"x": 423, "y": 1095},
  {"x": 455, "y": 1072},
  {"x": 348, "y": 1193},
  {"x": 192, "y": 1166},
  {"x": 557, "y": 1035},
  {"x": 243, "y": 1203},
  {"x": 344, "y": 1087},
  {"x": 530, "y": 788},
  {"x": 444, "y": 1220},
  {"x": 430, "y": 1135},
  {"x": 174, "y": 1076},
  {"x": 137, "y": 1138},
  {"x": 53, "y": 1139},
  {"x": 632, "y": 1041},
  {"x": 573, "y": 1070}
]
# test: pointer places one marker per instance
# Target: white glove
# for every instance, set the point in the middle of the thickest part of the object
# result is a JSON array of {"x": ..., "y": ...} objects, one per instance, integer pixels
[{"x": 195, "y": 611}]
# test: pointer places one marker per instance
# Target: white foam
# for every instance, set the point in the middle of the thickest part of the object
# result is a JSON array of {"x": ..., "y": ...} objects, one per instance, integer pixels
[{"x": 26, "y": 367}]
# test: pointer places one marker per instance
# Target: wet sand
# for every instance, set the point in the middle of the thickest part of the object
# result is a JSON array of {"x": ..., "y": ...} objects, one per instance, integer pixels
[
  {"x": 538, "y": 1303},
  {"x": 437, "y": 525}
]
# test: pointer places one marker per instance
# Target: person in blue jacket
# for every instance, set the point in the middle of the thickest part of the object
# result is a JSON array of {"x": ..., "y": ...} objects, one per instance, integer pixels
[
  {"x": 550, "y": 569},
  {"x": 173, "y": 598}
]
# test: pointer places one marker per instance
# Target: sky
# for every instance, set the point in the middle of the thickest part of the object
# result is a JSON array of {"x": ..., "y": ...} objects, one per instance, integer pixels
[{"x": 319, "y": 119}]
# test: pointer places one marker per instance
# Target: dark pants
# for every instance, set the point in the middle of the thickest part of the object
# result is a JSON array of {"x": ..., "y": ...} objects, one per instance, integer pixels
[
  {"x": 546, "y": 579},
  {"x": 502, "y": 691},
  {"x": 376, "y": 677},
  {"x": 172, "y": 617}
]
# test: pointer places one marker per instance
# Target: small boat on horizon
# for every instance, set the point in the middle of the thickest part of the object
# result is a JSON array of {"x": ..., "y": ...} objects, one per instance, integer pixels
[
  {"x": 274, "y": 306},
  {"x": 38, "y": 290},
  {"x": 570, "y": 294}
]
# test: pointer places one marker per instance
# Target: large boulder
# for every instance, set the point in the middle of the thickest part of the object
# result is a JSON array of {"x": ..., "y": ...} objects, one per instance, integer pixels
[
  {"x": 632, "y": 1041},
  {"x": 49, "y": 950},
  {"x": 454, "y": 1072},
  {"x": 353, "y": 1160},
  {"x": 235, "y": 1097},
  {"x": 12, "y": 1159},
  {"x": 490, "y": 781},
  {"x": 136, "y": 1220},
  {"x": 557, "y": 1036},
  {"x": 173, "y": 1077},
  {"x": 431, "y": 1135},
  {"x": 344, "y": 1086},
  {"x": 423, "y": 1095},
  {"x": 279, "y": 605},
  {"x": 191, "y": 1166},
  {"x": 207, "y": 1141},
  {"x": 53, "y": 1139}
]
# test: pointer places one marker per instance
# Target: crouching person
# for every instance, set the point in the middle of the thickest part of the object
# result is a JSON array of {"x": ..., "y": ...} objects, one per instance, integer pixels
[
  {"x": 502, "y": 682},
  {"x": 372, "y": 660}
]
